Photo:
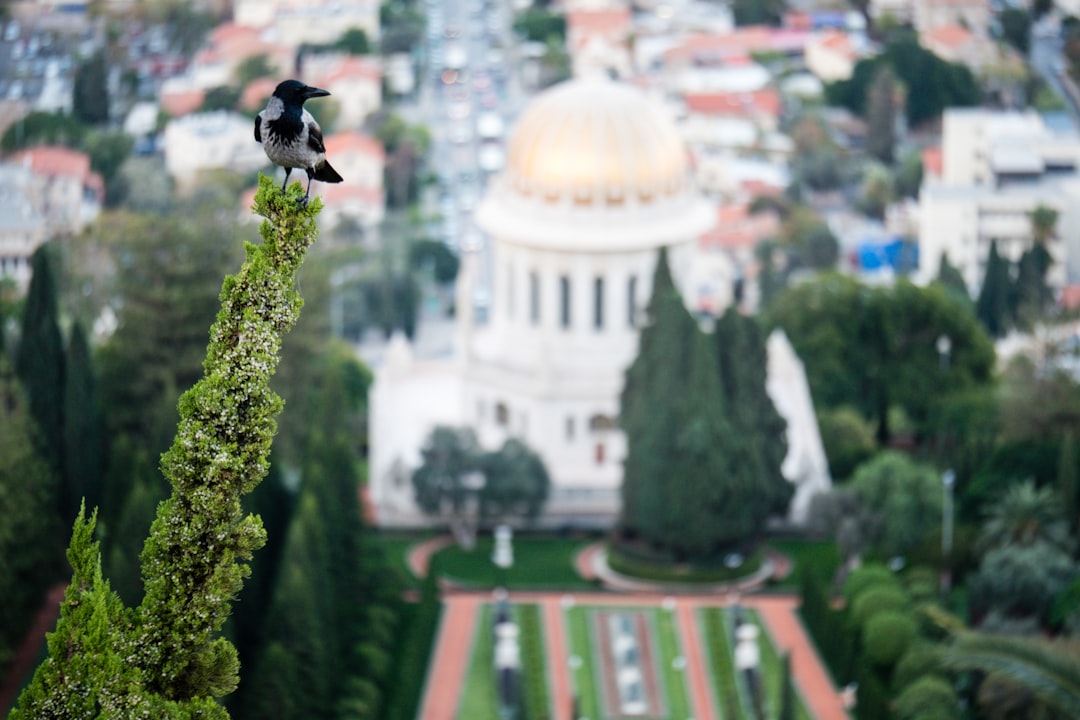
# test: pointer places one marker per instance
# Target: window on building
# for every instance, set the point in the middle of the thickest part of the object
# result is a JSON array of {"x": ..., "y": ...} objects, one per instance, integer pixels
[
  {"x": 509, "y": 290},
  {"x": 631, "y": 301},
  {"x": 564, "y": 301},
  {"x": 601, "y": 422},
  {"x": 599, "y": 453},
  {"x": 502, "y": 415},
  {"x": 570, "y": 427},
  {"x": 598, "y": 303},
  {"x": 534, "y": 298}
]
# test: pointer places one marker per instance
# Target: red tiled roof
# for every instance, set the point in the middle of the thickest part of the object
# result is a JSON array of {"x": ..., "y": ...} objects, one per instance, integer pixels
[
  {"x": 350, "y": 67},
  {"x": 1070, "y": 297},
  {"x": 952, "y": 36},
  {"x": 765, "y": 100},
  {"x": 54, "y": 160},
  {"x": 183, "y": 102},
  {"x": 607, "y": 21},
  {"x": 257, "y": 92},
  {"x": 343, "y": 192},
  {"x": 933, "y": 161},
  {"x": 351, "y": 141},
  {"x": 758, "y": 188},
  {"x": 737, "y": 229}
]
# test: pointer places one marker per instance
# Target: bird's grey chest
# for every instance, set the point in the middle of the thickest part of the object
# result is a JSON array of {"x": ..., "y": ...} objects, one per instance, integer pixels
[{"x": 285, "y": 139}]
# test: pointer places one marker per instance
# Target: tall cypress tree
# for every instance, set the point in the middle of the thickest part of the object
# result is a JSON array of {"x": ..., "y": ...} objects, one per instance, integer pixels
[
  {"x": 301, "y": 622},
  {"x": 743, "y": 367},
  {"x": 992, "y": 307},
  {"x": 951, "y": 279},
  {"x": 691, "y": 484},
  {"x": 28, "y": 533},
  {"x": 1031, "y": 295},
  {"x": 1068, "y": 484},
  {"x": 39, "y": 363},
  {"x": 83, "y": 440},
  {"x": 655, "y": 378}
]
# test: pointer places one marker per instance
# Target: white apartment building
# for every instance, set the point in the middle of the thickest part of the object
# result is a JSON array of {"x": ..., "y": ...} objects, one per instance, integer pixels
[
  {"x": 997, "y": 168},
  {"x": 210, "y": 141}
]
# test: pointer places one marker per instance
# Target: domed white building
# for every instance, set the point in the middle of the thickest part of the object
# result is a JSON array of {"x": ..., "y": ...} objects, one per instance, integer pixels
[{"x": 596, "y": 181}]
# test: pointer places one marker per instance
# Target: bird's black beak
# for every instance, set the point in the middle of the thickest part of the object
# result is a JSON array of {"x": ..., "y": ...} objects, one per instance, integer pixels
[{"x": 314, "y": 92}]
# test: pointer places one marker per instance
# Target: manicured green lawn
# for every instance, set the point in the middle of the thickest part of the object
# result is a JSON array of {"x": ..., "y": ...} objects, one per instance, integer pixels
[
  {"x": 582, "y": 672},
  {"x": 478, "y": 699},
  {"x": 674, "y": 680},
  {"x": 539, "y": 562},
  {"x": 818, "y": 556},
  {"x": 396, "y": 547},
  {"x": 719, "y": 656}
]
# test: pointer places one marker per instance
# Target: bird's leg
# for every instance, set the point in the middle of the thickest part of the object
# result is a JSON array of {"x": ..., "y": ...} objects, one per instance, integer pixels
[
  {"x": 284, "y": 184},
  {"x": 307, "y": 195}
]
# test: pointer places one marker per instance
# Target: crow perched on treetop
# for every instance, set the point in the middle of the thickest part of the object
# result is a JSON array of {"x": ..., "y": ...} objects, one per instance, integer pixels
[{"x": 291, "y": 137}]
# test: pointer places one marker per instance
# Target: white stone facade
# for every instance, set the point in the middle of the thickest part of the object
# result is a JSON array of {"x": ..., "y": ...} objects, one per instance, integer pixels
[{"x": 575, "y": 223}]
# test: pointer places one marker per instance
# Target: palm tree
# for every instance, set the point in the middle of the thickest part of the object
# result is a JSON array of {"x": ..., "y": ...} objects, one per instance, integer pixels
[
  {"x": 1024, "y": 515},
  {"x": 1043, "y": 223},
  {"x": 1050, "y": 671}
]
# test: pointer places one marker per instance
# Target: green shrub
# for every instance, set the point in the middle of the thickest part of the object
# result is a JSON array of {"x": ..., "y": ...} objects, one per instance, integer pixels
[
  {"x": 877, "y": 599},
  {"x": 921, "y": 658},
  {"x": 420, "y": 624},
  {"x": 867, "y": 576},
  {"x": 921, "y": 583},
  {"x": 887, "y": 636},
  {"x": 624, "y": 560},
  {"x": 533, "y": 674},
  {"x": 929, "y": 696}
]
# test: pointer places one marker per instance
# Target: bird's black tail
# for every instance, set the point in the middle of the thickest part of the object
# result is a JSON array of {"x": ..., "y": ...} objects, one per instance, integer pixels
[{"x": 327, "y": 174}]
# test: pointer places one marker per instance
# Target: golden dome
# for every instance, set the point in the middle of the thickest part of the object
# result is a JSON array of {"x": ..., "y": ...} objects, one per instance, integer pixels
[{"x": 595, "y": 142}]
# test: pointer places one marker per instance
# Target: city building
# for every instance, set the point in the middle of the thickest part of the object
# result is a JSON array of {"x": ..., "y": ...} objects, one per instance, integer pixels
[
  {"x": 597, "y": 180},
  {"x": 996, "y": 168},
  {"x": 209, "y": 141}
]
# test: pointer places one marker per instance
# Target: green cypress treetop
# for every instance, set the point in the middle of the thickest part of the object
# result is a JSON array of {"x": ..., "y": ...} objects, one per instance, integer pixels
[{"x": 165, "y": 658}]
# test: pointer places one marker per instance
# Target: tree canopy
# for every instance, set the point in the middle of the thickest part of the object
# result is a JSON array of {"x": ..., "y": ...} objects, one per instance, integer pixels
[
  {"x": 700, "y": 477},
  {"x": 876, "y": 348},
  {"x": 932, "y": 83}
]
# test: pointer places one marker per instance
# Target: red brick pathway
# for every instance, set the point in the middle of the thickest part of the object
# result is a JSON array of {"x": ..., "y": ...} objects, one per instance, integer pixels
[
  {"x": 450, "y": 661},
  {"x": 562, "y": 698},
  {"x": 419, "y": 558},
  {"x": 779, "y": 614},
  {"x": 700, "y": 686}
]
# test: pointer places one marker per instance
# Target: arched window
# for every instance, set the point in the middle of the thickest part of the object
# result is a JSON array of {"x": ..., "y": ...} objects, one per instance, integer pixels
[
  {"x": 564, "y": 301},
  {"x": 598, "y": 303},
  {"x": 631, "y": 301},
  {"x": 509, "y": 290},
  {"x": 534, "y": 298},
  {"x": 601, "y": 423}
]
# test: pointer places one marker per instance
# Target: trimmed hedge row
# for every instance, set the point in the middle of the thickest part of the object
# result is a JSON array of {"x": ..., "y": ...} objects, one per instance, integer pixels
[
  {"x": 534, "y": 688},
  {"x": 627, "y": 563},
  {"x": 419, "y": 623},
  {"x": 723, "y": 668}
]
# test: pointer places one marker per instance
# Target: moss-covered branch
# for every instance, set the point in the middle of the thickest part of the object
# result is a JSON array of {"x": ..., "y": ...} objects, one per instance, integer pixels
[{"x": 165, "y": 659}]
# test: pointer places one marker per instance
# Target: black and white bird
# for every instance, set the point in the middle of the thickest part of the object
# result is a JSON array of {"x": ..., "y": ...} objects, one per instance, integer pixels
[{"x": 291, "y": 137}]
